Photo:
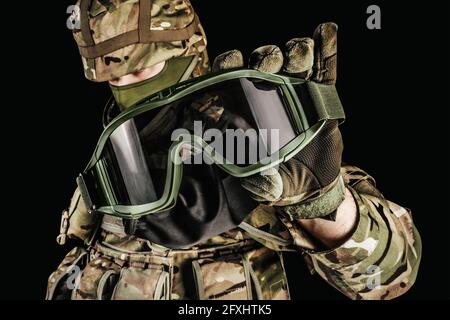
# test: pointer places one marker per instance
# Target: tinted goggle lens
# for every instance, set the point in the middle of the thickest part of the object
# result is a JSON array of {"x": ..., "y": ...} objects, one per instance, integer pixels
[{"x": 244, "y": 120}]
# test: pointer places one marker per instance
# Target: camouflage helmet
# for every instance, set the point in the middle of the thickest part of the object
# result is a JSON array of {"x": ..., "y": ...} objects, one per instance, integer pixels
[{"x": 118, "y": 37}]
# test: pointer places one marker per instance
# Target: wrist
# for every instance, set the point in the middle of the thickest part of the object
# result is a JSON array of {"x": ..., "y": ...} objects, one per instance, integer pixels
[
  {"x": 326, "y": 203},
  {"x": 334, "y": 233}
]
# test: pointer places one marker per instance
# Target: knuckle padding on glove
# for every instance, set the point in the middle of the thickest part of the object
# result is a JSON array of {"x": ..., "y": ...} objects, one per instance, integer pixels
[
  {"x": 299, "y": 56},
  {"x": 228, "y": 60},
  {"x": 266, "y": 59}
]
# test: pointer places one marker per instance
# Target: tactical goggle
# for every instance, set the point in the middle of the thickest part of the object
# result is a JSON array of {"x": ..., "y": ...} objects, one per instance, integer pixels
[{"x": 137, "y": 166}]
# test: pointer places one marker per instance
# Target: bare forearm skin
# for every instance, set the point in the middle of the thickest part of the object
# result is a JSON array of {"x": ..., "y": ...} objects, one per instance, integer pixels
[{"x": 334, "y": 233}]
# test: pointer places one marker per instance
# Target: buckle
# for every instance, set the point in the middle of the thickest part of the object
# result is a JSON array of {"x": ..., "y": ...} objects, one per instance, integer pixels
[{"x": 63, "y": 228}]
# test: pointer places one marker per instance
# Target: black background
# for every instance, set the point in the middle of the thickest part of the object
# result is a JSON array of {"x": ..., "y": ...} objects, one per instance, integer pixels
[{"x": 393, "y": 83}]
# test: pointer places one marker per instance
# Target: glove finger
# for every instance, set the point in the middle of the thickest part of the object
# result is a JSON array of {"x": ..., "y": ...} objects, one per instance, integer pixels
[
  {"x": 299, "y": 57},
  {"x": 325, "y": 57},
  {"x": 228, "y": 60},
  {"x": 266, "y": 59},
  {"x": 266, "y": 186}
]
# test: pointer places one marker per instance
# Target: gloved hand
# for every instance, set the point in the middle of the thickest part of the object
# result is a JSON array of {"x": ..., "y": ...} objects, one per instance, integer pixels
[{"x": 309, "y": 184}]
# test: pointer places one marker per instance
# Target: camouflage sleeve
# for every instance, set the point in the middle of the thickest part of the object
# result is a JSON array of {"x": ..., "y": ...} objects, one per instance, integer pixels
[{"x": 381, "y": 259}]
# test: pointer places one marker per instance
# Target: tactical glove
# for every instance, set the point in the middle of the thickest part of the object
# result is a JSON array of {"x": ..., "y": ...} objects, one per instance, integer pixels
[{"x": 309, "y": 184}]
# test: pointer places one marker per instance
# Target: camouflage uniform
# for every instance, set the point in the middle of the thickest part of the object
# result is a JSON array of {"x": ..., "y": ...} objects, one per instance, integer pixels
[
  {"x": 105, "y": 23},
  {"x": 247, "y": 262},
  {"x": 379, "y": 261}
]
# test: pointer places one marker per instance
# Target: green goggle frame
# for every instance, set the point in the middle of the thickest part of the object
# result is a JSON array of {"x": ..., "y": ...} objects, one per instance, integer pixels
[{"x": 325, "y": 106}]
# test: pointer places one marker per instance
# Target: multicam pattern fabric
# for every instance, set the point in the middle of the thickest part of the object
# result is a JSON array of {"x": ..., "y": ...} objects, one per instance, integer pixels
[
  {"x": 221, "y": 272},
  {"x": 222, "y": 279},
  {"x": 61, "y": 280},
  {"x": 111, "y": 18},
  {"x": 379, "y": 261},
  {"x": 268, "y": 274},
  {"x": 77, "y": 221}
]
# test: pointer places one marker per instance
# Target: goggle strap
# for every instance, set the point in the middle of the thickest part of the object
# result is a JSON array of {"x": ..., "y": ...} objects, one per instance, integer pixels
[
  {"x": 326, "y": 101},
  {"x": 84, "y": 192}
]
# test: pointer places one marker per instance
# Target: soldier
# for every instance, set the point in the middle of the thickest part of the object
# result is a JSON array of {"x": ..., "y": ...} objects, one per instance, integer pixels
[{"x": 215, "y": 243}]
